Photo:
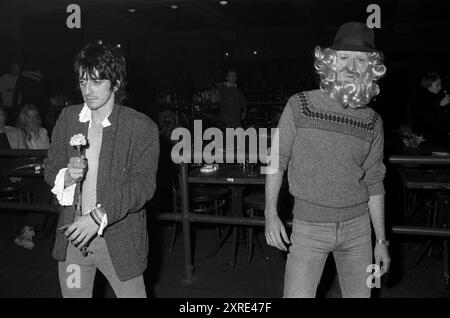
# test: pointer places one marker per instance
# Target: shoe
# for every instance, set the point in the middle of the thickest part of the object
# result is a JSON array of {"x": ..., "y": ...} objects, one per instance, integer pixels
[{"x": 25, "y": 238}]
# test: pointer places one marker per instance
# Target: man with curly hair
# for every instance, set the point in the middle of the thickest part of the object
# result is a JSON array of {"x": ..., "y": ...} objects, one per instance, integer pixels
[
  {"x": 332, "y": 145},
  {"x": 103, "y": 192}
]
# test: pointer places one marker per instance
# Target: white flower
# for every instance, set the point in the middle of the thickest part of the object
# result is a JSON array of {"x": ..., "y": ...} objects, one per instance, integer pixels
[{"x": 78, "y": 140}]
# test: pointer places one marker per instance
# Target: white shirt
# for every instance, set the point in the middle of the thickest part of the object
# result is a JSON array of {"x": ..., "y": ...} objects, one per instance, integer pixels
[{"x": 65, "y": 196}]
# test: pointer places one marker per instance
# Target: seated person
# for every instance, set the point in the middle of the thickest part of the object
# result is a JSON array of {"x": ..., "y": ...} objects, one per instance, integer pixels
[
  {"x": 29, "y": 121},
  {"x": 36, "y": 137},
  {"x": 10, "y": 137},
  {"x": 429, "y": 116}
]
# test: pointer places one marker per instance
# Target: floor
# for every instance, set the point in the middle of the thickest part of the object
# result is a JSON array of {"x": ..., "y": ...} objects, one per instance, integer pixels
[{"x": 33, "y": 273}]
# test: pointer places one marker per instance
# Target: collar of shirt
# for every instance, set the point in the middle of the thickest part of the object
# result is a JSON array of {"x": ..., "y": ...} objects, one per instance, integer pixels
[{"x": 86, "y": 116}]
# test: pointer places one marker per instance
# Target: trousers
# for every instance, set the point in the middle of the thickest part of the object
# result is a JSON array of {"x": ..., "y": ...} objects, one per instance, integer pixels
[
  {"x": 77, "y": 273},
  {"x": 351, "y": 244}
]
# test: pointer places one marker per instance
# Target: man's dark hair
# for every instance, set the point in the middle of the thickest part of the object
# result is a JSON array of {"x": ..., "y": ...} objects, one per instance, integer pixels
[{"x": 103, "y": 61}]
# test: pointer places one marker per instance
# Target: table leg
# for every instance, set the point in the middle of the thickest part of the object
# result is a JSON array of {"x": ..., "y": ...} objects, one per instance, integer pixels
[
  {"x": 446, "y": 273},
  {"x": 445, "y": 244},
  {"x": 237, "y": 211},
  {"x": 188, "y": 265},
  {"x": 234, "y": 206}
]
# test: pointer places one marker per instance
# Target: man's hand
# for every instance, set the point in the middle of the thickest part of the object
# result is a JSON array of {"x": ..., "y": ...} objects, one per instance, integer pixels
[
  {"x": 275, "y": 232},
  {"x": 382, "y": 258},
  {"x": 76, "y": 170},
  {"x": 81, "y": 231},
  {"x": 445, "y": 101}
]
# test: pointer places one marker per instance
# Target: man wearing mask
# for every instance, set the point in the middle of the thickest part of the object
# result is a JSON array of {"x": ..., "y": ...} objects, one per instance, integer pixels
[{"x": 331, "y": 143}]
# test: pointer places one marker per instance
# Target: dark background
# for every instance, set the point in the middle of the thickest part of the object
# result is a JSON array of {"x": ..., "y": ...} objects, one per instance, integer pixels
[{"x": 181, "y": 50}]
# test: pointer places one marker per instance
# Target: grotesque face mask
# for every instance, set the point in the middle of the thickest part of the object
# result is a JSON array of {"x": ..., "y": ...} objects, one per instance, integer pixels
[
  {"x": 349, "y": 76},
  {"x": 351, "y": 66}
]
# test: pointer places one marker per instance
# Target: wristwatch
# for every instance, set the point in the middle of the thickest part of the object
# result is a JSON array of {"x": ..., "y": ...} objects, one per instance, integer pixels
[{"x": 383, "y": 242}]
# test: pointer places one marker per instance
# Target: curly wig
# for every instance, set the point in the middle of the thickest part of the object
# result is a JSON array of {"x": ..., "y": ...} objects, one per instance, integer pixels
[{"x": 348, "y": 94}]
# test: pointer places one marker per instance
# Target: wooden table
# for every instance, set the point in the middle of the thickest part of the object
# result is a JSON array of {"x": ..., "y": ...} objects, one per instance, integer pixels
[
  {"x": 425, "y": 155},
  {"x": 236, "y": 177}
]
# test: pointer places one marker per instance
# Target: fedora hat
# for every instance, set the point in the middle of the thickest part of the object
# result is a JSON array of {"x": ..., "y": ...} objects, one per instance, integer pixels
[{"x": 354, "y": 36}]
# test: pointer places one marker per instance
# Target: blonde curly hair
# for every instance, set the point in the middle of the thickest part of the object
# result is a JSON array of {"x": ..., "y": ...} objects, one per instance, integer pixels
[{"x": 350, "y": 95}]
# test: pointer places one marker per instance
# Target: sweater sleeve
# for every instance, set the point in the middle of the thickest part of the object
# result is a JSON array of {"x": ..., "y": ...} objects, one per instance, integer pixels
[
  {"x": 373, "y": 166},
  {"x": 133, "y": 194},
  {"x": 286, "y": 136}
]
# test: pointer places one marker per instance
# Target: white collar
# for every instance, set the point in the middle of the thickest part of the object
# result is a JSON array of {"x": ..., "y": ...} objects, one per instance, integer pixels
[
  {"x": 230, "y": 85},
  {"x": 86, "y": 116}
]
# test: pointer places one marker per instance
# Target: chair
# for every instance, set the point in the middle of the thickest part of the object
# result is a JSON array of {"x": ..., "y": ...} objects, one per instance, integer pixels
[
  {"x": 14, "y": 194},
  {"x": 437, "y": 181},
  {"x": 203, "y": 200},
  {"x": 254, "y": 204}
]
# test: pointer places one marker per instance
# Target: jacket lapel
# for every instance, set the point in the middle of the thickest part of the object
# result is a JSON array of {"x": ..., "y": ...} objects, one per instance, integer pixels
[
  {"x": 107, "y": 158},
  {"x": 77, "y": 127}
]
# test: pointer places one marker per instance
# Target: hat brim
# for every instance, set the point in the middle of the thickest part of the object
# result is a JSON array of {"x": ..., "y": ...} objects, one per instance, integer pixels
[{"x": 350, "y": 47}]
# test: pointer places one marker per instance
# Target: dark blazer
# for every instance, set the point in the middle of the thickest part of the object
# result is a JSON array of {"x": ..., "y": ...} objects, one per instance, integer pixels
[{"x": 126, "y": 181}]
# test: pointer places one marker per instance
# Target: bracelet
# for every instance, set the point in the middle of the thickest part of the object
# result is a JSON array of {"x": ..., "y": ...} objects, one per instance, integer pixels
[
  {"x": 97, "y": 214},
  {"x": 383, "y": 242}
]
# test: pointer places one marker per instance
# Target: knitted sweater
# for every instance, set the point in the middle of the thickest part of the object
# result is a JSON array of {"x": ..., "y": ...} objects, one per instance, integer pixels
[
  {"x": 334, "y": 157},
  {"x": 126, "y": 180}
]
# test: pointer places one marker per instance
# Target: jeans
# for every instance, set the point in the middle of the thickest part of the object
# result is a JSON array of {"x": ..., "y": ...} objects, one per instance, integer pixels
[
  {"x": 351, "y": 244},
  {"x": 77, "y": 273}
]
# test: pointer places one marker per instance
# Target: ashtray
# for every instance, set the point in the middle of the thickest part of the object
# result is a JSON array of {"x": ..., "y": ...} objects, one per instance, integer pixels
[{"x": 209, "y": 168}]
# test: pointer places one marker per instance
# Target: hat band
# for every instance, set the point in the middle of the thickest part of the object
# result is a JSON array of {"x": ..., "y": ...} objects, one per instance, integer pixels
[{"x": 363, "y": 44}]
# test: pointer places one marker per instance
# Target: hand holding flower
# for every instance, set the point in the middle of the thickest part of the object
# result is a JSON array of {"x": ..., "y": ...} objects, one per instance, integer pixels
[
  {"x": 76, "y": 170},
  {"x": 77, "y": 166}
]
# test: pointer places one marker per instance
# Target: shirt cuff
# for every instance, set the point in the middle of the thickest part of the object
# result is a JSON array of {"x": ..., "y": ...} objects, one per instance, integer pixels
[
  {"x": 64, "y": 195},
  {"x": 100, "y": 218},
  {"x": 103, "y": 225}
]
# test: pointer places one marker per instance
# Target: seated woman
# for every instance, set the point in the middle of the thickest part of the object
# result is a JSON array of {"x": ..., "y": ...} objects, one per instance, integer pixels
[
  {"x": 10, "y": 137},
  {"x": 36, "y": 137},
  {"x": 29, "y": 121}
]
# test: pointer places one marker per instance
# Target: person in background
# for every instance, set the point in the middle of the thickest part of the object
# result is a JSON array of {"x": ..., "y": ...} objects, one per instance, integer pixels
[
  {"x": 31, "y": 87},
  {"x": 36, "y": 137},
  {"x": 29, "y": 121},
  {"x": 10, "y": 137},
  {"x": 429, "y": 116},
  {"x": 8, "y": 83},
  {"x": 232, "y": 101},
  {"x": 332, "y": 145}
]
